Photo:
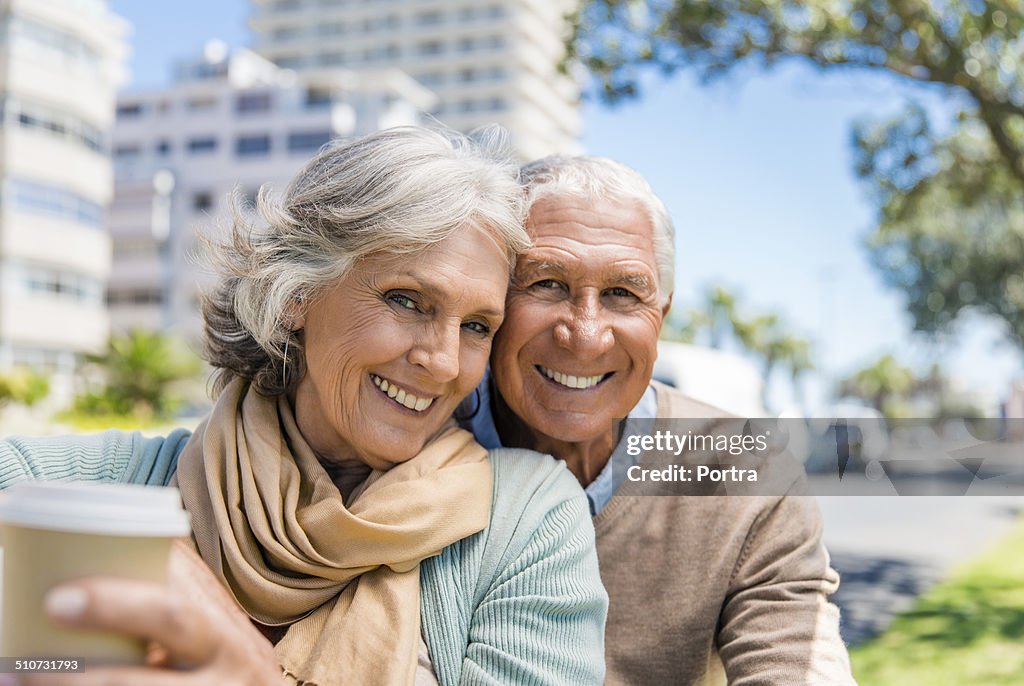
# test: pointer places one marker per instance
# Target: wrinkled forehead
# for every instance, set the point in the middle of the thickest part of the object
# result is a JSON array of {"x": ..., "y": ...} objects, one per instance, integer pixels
[{"x": 572, "y": 231}]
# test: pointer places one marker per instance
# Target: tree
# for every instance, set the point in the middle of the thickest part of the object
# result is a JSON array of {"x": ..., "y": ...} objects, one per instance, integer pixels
[
  {"x": 138, "y": 370},
  {"x": 765, "y": 337},
  {"x": 882, "y": 384},
  {"x": 951, "y": 205},
  {"x": 23, "y": 387}
]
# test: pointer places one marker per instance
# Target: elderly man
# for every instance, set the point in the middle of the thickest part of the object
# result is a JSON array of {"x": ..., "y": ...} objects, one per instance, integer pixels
[{"x": 702, "y": 589}]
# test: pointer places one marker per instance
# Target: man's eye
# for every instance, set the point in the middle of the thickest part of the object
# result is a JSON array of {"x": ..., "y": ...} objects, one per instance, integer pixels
[
  {"x": 547, "y": 284},
  {"x": 402, "y": 301},
  {"x": 620, "y": 292},
  {"x": 478, "y": 327}
]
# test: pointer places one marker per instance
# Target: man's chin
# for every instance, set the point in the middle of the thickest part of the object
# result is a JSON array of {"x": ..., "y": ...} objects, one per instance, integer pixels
[{"x": 573, "y": 427}]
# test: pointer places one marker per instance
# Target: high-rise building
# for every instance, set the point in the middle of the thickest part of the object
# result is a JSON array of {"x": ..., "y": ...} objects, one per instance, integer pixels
[
  {"x": 229, "y": 124},
  {"x": 487, "y": 60},
  {"x": 60, "y": 64}
]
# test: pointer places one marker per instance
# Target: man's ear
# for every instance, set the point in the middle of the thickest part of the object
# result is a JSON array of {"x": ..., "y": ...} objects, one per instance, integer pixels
[{"x": 666, "y": 308}]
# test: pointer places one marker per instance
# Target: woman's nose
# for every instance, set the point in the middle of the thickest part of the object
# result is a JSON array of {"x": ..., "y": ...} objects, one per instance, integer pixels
[{"x": 438, "y": 353}]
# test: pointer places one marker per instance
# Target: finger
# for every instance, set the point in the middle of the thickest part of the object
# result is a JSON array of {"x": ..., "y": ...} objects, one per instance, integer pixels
[
  {"x": 109, "y": 676},
  {"x": 134, "y": 608}
]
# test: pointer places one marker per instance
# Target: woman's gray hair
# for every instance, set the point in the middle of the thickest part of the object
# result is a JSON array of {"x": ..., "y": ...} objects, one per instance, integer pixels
[
  {"x": 399, "y": 191},
  {"x": 591, "y": 178}
]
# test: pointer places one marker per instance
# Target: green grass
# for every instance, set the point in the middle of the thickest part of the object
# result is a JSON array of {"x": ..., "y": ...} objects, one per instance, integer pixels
[{"x": 966, "y": 631}]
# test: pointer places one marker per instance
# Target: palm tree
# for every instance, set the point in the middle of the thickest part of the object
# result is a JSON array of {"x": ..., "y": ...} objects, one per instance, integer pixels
[
  {"x": 766, "y": 337},
  {"x": 721, "y": 314},
  {"x": 138, "y": 369},
  {"x": 881, "y": 384}
]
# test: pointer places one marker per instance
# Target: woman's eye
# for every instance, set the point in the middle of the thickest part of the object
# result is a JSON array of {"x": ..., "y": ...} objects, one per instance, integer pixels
[
  {"x": 402, "y": 301},
  {"x": 478, "y": 327}
]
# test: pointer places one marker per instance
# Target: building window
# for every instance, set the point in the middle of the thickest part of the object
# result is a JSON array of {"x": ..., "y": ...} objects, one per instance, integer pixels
[
  {"x": 290, "y": 62},
  {"x": 308, "y": 141},
  {"x": 330, "y": 59},
  {"x": 252, "y": 145},
  {"x": 41, "y": 198},
  {"x": 202, "y": 202},
  {"x": 430, "y": 48},
  {"x": 466, "y": 44},
  {"x": 163, "y": 148},
  {"x": 46, "y": 42},
  {"x": 429, "y": 18},
  {"x": 431, "y": 78},
  {"x": 255, "y": 101},
  {"x": 286, "y": 33},
  {"x": 201, "y": 103},
  {"x": 130, "y": 110},
  {"x": 206, "y": 144},
  {"x": 317, "y": 98},
  {"x": 332, "y": 28},
  {"x": 62, "y": 284},
  {"x": 467, "y": 75},
  {"x": 135, "y": 296},
  {"x": 127, "y": 152},
  {"x": 52, "y": 122}
]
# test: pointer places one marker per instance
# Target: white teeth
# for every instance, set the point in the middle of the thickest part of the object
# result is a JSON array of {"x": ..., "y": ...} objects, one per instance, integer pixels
[
  {"x": 407, "y": 399},
  {"x": 571, "y": 381}
]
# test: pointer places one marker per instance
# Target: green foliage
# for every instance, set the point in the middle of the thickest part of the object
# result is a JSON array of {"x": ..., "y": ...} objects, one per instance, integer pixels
[
  {"x": 966, "y": 630},
  {"x": 884, "y": 385},
  {"x": 137, "y": 370},
  {"x": 951, "y": 205},
  {"x": 764, "y": 336},
  {"x": 23, "y": 387}
]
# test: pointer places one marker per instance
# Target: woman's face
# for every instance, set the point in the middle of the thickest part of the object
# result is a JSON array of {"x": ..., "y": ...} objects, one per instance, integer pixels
[{"x": 394, "y": 345}]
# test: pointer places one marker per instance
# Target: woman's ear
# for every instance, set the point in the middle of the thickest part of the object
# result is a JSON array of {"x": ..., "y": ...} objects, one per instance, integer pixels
[{"x": 295, "y": 315}]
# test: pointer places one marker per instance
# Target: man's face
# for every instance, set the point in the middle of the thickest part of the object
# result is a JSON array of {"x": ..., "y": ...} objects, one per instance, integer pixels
[{"x": 582, "y": 318}]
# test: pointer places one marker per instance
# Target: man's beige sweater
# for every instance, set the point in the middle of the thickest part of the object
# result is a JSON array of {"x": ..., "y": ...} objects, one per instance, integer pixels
[{"x": 718, "y": 589}]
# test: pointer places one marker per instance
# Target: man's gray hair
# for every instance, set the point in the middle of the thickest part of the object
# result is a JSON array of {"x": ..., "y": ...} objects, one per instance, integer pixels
[
  {"x": 591, "y": 178},
  {"x": 399, "y": 192}
]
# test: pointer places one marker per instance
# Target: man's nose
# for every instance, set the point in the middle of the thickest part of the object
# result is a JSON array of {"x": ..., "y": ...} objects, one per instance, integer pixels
[
  {"x": 585, "y": 329},
  {"x": 438, "y": 352}
]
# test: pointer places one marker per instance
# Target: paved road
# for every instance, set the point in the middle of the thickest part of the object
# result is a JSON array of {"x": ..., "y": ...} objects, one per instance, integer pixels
[{"x": 889, "y": 549}]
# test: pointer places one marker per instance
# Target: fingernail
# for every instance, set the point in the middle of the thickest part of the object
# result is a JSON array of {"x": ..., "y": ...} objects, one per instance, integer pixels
[{"x": 66, "y": 602}]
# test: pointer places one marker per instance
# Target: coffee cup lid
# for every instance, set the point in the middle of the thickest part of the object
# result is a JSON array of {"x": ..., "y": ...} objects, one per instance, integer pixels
[{"x": 96, "y": 508}]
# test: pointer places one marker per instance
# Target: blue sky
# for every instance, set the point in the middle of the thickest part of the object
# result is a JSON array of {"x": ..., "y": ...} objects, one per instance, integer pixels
[{"x": 756, "y": 171}]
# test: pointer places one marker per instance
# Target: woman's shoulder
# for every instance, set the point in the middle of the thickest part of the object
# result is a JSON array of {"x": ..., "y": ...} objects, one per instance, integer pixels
[
  {"x": 108, "y": 456},
  {"x": 530, "y": 484}
]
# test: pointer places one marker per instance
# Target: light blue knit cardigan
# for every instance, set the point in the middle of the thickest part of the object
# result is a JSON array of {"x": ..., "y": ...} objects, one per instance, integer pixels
[{"x": 521, "y": 602}]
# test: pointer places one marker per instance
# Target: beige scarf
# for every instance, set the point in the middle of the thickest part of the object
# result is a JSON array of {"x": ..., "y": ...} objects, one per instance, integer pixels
[{"x": 271, "y": 524}]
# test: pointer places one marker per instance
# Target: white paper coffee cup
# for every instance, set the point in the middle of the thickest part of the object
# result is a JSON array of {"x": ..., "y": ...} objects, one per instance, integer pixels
[{"x": 54, "y": 532}]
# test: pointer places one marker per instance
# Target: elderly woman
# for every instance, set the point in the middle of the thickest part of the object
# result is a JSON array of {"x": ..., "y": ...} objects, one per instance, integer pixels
[{"x": 368, "y": 539}]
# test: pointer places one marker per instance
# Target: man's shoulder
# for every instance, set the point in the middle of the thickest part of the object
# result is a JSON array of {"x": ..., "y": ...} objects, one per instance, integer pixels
[{"x": 673, "y": 403}]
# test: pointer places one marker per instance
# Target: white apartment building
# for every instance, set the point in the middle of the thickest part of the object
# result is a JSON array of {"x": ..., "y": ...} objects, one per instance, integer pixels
[
  {"x": 60, "y": 64},
  {"x": 228, "y": 124},
  {"x": 489, "y": 61}
]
